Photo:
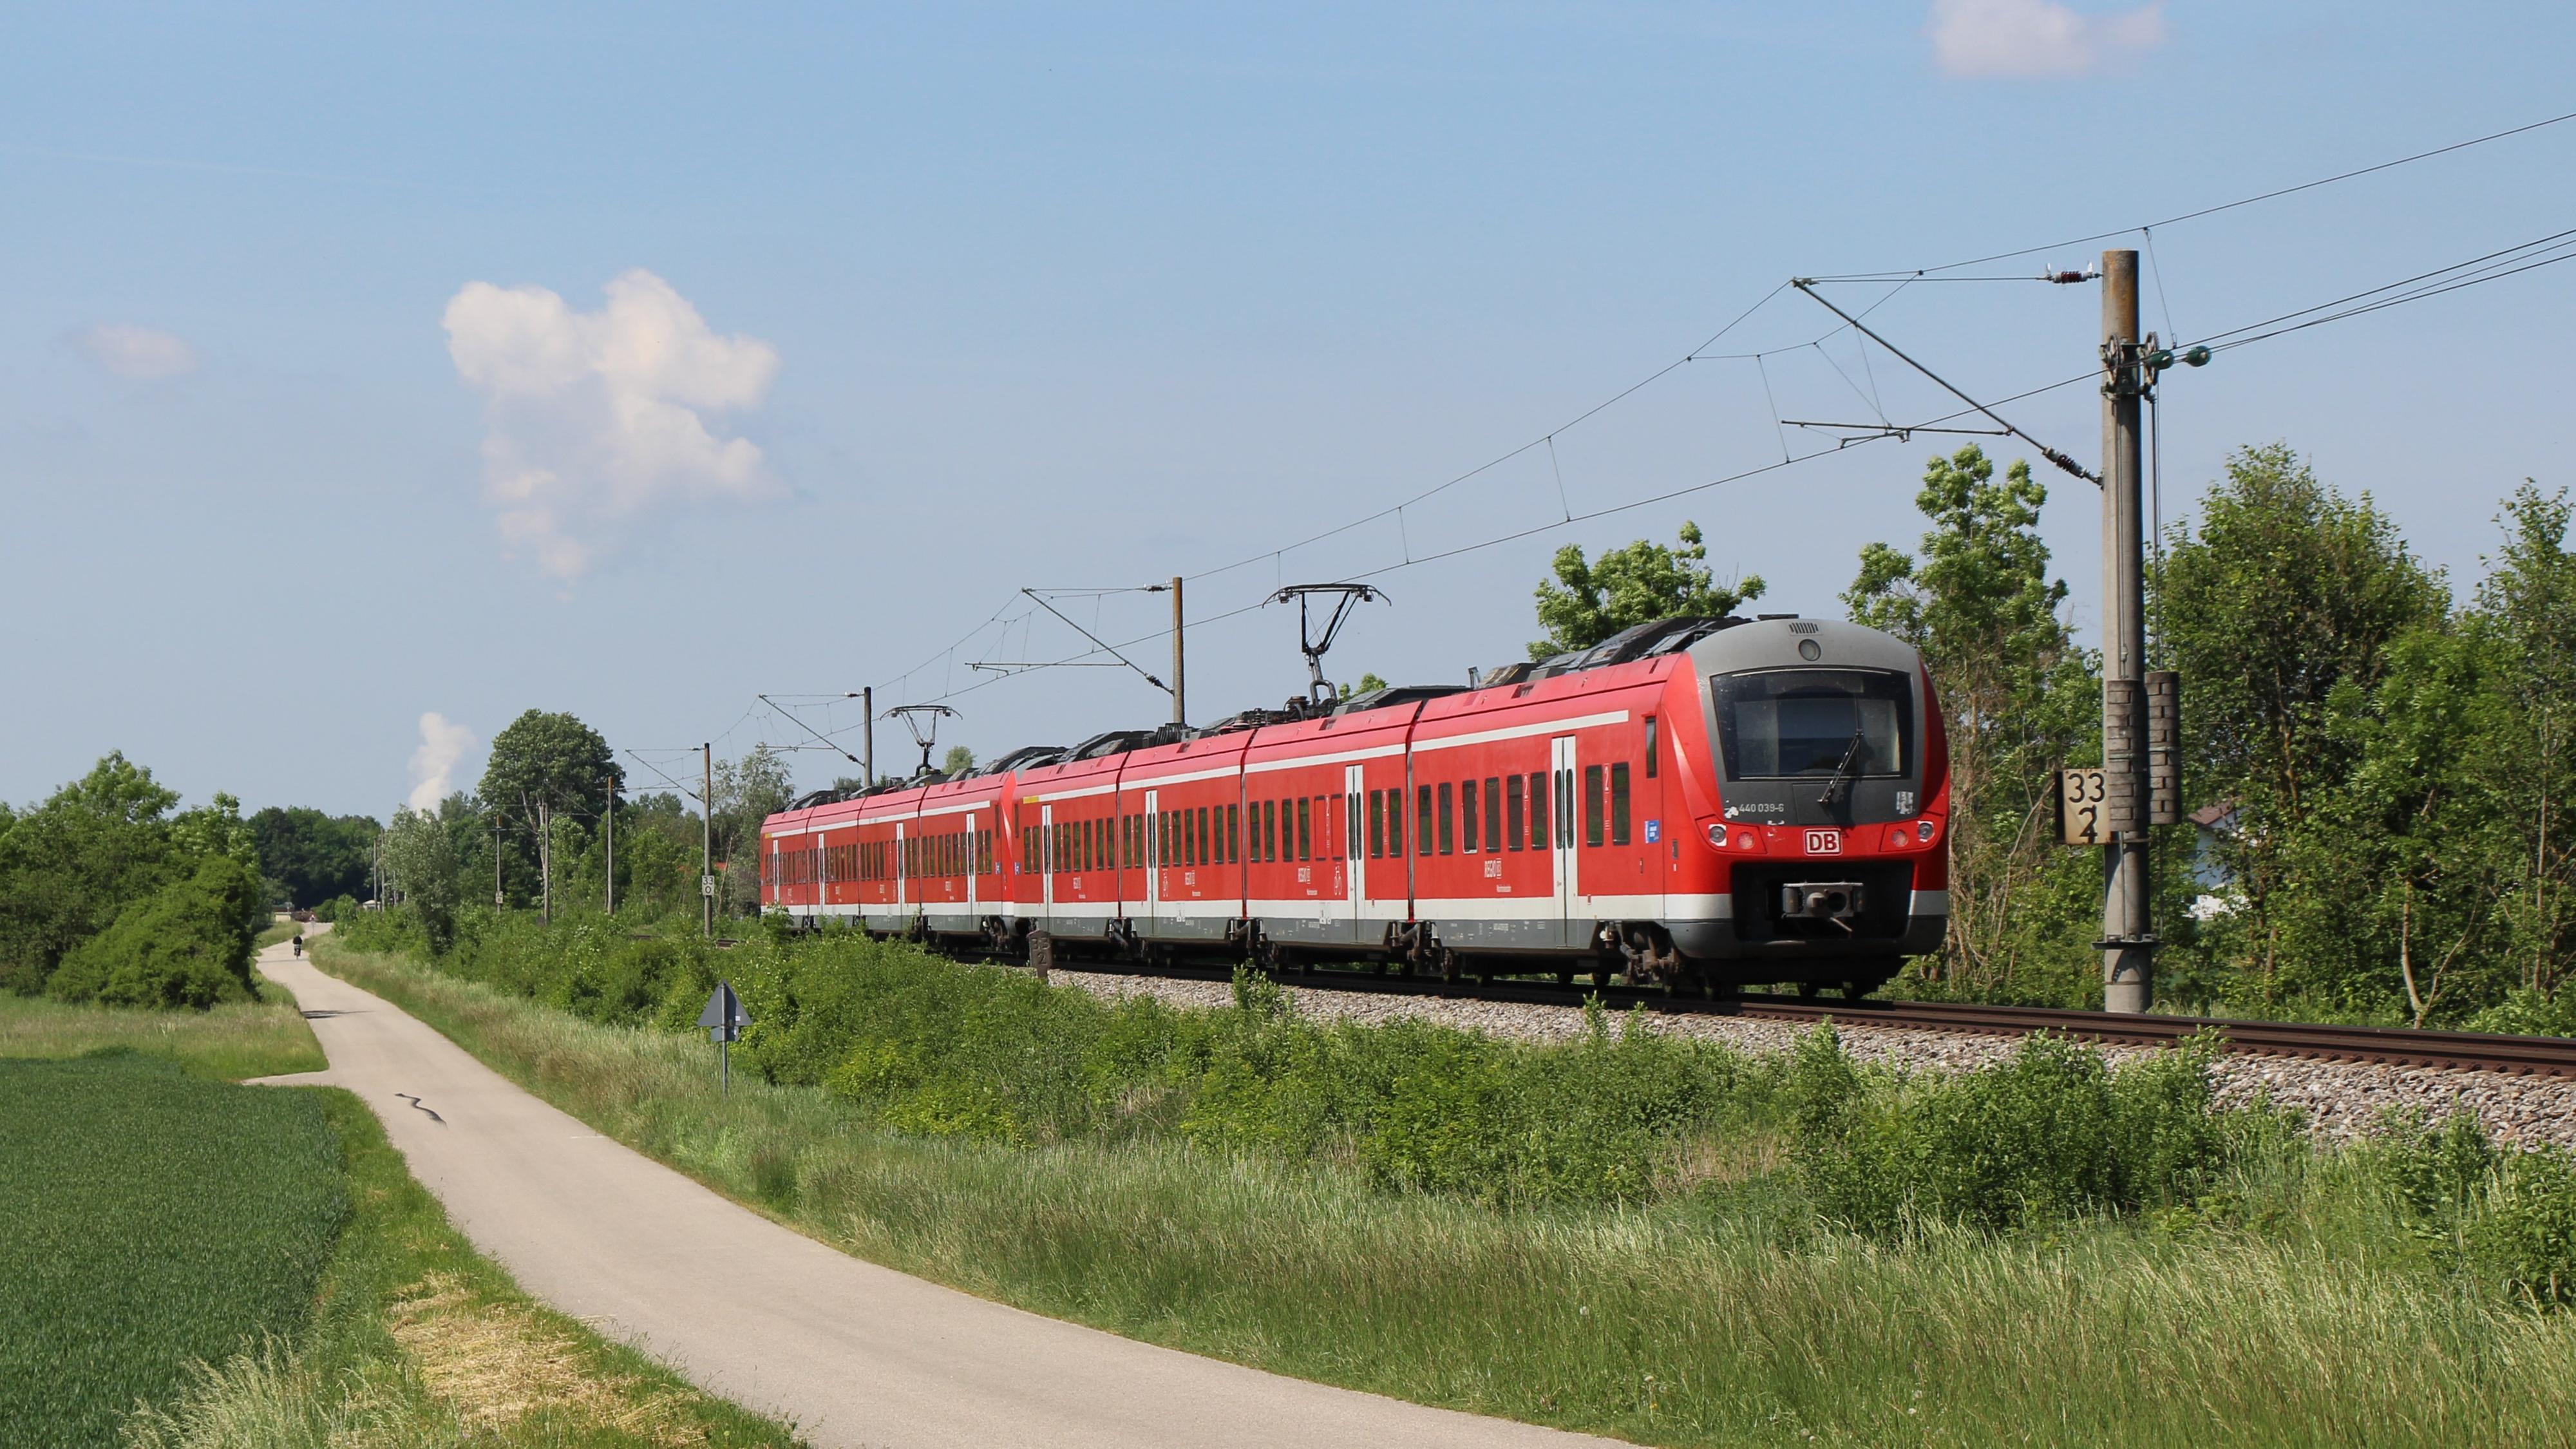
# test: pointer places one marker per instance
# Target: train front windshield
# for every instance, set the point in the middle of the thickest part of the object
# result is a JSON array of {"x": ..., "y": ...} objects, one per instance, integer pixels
[{"x": 1788, "y": 723}]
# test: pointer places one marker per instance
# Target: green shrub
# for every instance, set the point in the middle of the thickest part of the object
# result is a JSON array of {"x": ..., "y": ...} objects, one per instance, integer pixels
[
  {"x": 2504, "y": 1219},
  {"x": 2047, "y": 1134},
  {"x": 187, "y": 945},
  {"x": 2529, "y": 1013}
]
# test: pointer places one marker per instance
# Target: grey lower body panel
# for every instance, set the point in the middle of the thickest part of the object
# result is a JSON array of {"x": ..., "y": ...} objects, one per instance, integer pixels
[
  {"x": 1537, "y": 934},
  {"x": 1184, "y": 928},
  {"x": 1293, "y": 931}
]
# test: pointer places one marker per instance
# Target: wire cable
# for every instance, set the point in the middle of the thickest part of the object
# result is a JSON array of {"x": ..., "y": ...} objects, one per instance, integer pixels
[{"x": 1924, "y": 273}]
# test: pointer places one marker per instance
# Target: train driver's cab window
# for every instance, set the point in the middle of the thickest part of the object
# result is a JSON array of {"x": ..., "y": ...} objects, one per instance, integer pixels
[{"x": 1784, "y": 723}]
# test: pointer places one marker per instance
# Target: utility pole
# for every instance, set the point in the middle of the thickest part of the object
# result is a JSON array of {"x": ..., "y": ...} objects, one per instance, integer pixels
[
  {"x": 1180, "y": 704},
  {"x": 2128, "y": 936},
  {"x": 707, "y": 822},
  {"x": 500, "y": 901},
  {"x": 868, "y": 737},
  {"x": 612, "y": 845}
]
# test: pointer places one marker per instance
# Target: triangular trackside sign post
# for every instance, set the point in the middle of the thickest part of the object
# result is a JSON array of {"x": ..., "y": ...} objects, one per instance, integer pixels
[{"x": 724, "y": 1019}]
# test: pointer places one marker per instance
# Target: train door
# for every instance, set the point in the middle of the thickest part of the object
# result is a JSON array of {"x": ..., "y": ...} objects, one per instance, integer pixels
[
  {"x": 1045, "y": 847},
  {"x": 1564, "y": 787},
  {"x": 974, "y": 857},
  {"x": 1354, "y": 852},
  {"x": 902, "y": 876},
  {"x": 1152, "y": 827}
]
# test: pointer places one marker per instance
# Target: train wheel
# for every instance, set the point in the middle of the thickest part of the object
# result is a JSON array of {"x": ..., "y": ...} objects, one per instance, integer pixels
[
  {"x": 1809, "y": 990},
  {"x": 1600, "y": 978},
  {"x": 1449, "y": 971},
  {"x": 1565, "y": 978}
]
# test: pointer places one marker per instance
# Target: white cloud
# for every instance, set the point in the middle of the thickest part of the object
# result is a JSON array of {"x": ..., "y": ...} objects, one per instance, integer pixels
[
  {"x": 2036, "y": 37},
  {"x": 593, "y": 418},
  {"x": 137, "y": 354},
  {"x": 433, "y": 766}
]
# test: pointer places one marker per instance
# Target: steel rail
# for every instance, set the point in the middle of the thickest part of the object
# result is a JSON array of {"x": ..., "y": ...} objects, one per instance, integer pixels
[{"x": 2379, "y": 1045}]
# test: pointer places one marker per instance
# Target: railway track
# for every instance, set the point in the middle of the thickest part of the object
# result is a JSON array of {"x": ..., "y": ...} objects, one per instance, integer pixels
[{"x": 2392, "y": 1046}]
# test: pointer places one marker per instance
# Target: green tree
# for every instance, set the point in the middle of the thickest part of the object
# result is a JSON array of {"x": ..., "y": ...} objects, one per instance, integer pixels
[
  {"x": 2403, "y": 865},
  {"x": 542, "y": 766},
  {"x": 421, "y": 864},
  {"x": 747, "y": 792},
  {"x": 1588, "y": 601},
  {"x": 2528, "y": 603},
  {"x": 2021, "y": 701},
  {"x": 70, "y": 865},
  {"x": 2284, "y": 593},
  {"x": 957, "y": 761},
  {"x": 313, "y": 856}
]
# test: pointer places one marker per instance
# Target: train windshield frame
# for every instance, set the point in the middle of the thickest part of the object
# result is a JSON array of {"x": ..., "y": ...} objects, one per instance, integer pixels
[{"x": 1799, "y": 724}]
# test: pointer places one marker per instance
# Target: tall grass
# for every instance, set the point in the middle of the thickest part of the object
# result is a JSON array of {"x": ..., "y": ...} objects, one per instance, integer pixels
[
  {"x": 226, "y": 1042},
  {"x": 2283, "y": 1303}
]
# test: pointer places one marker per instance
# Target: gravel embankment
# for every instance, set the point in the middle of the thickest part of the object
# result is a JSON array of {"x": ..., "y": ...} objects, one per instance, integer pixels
[{"x": 2341, "y": 1099}]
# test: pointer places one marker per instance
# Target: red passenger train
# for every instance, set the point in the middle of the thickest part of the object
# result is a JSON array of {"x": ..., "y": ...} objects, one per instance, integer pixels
[{"x": 1699, "y": 803}]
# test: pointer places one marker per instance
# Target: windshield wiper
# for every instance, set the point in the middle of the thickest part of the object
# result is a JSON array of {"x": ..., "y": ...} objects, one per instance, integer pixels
[{"x": 1844, "y": 772}]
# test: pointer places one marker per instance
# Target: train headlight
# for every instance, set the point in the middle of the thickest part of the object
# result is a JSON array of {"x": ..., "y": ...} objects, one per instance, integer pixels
[
  {"x": 1717, "y": 836},
  {"x": 1896, "y": 838},
  {"x": 1925, "y": 829}
]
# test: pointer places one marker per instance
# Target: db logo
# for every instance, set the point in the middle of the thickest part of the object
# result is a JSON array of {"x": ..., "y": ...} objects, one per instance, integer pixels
[{"x": 1824, "y": 842}]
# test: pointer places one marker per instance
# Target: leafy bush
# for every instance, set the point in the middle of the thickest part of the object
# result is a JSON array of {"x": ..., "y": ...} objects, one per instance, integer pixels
[
  {"x": 2047, "y": 1134},
  {"x": 2504, "y": 1219},
  {"x": 922, "y": 1045},
  {"x": 188, "y": 945},
  {"x": 2529, "y": 1013}
]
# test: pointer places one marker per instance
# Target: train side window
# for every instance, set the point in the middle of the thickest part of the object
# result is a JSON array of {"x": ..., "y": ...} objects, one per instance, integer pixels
[
  {"x": 1515, "y": 800},
  {"x": 1592, "y": 804},
  {"x": 1342, "y": 838},
  {"x": 1448, "y": 820},
  {"x": 1493, "y": 812},
  {"x": 1650, "y": 747},
  {"x": 1538, "y": 810},
  {"x": 1377, "y": 824},
  {"x": 1305, "y": 830},
  {"x": 1565, "y": 809},
  {"x": 1467, "y": 809},
  {"x": 1207, "y": 856},
  {"x": 1422, "y": 819},
  {"x": 1234, "y": 835},
  {"x": 1395, "y": 824}
]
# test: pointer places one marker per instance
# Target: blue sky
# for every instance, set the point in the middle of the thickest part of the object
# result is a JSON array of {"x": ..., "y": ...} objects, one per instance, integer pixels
[{"x": 919, "y": 306}]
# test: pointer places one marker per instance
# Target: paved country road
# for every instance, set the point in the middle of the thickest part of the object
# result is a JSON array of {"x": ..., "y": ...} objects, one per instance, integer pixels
[{"x": 852, "y": 1353}]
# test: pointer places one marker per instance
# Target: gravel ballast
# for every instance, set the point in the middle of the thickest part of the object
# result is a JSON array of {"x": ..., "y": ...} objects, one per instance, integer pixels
[{"x": 2340, "y": 1099}]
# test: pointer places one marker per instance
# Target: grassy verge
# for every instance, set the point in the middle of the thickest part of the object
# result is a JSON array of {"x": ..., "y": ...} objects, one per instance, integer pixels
[
  {"x": 416, "y": 1339},
  {"x": 227, "y": 1042},
  {"x": 2280, "y": 1312}
]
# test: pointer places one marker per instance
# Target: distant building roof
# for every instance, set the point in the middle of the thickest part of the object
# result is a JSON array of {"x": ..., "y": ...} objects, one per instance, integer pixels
[{"x": 2211, "y": 816}]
